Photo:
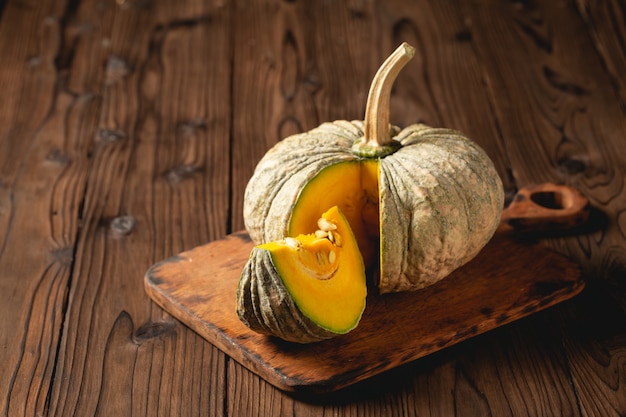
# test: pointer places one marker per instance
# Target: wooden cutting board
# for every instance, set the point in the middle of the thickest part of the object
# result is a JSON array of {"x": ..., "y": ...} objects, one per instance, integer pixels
[{"x": 511, "y": 278}]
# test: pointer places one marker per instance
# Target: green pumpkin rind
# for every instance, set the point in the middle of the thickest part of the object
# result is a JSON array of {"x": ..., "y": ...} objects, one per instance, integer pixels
[
  {"x": 438, "y": 210},
  {"x": 434, "y": 173},
  {"x": 266, "y": 307}
]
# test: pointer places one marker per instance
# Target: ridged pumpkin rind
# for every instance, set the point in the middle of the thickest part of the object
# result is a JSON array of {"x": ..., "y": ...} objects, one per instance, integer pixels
[
  {"x": 440, "y": 203},
  {"x": 440, "y": 197}
]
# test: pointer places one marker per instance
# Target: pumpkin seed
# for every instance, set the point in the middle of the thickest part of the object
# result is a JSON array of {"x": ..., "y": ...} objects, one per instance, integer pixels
[
  {"x": 331, "y": 236},
  {"x": 292, "y": 242},
  {"x": 326, "y": 225},
  {"x": 332, "y": 257},
  {"x": 320, "y": 234}
]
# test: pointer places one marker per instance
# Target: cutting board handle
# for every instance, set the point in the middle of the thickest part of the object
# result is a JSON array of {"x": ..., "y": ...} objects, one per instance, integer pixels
[{"x": 546, "y": 207}]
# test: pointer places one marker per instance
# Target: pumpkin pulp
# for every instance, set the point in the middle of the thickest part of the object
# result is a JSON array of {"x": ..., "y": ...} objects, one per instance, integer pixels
[
  {"x": 326, "y": 279},
  {"x": 353, "y": 187}
]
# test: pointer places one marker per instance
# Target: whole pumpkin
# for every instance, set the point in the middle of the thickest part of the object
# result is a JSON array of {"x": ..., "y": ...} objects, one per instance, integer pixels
[{"x": 421, "y": 201}]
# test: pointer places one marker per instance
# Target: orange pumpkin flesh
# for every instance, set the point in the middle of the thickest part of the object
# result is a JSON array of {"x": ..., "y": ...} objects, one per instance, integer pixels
[{"x": 353, "y": 187}]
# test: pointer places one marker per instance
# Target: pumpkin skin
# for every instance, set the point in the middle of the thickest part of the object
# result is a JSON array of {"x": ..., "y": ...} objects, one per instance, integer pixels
[
  {"x": 439, "y": 197},
  {"x": 305, "y": 289}
]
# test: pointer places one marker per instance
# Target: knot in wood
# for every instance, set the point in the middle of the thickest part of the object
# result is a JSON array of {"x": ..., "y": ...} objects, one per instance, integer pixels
[
  {"x": 116, "y": 70},
  {"x": 572, "y": 166},
  {"x": 152, "y": 330},
  {"x": 123, "y": 225},
  {"x": 181, "y": 172},
  {"x": 64, "y": 256},
  {"x": 112, "y": 135},
  {"x": 56, "y": 155},
  {"x": 34, "y": 61},
  {"x": 190, "y": 127}
]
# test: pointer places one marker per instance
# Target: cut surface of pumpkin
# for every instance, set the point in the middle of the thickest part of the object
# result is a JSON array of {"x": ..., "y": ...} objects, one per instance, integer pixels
[{"x": 353, "y": 187}]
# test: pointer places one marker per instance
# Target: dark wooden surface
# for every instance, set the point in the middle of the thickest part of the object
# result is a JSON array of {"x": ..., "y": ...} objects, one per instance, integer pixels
[{"x": 129, "y": 128}]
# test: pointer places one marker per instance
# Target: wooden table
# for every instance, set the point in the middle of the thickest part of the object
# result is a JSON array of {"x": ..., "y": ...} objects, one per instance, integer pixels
[{"x": 129, "y": 129}]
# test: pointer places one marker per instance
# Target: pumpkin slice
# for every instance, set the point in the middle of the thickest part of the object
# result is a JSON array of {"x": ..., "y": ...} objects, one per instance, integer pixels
[{"x": 306, "y": 288}]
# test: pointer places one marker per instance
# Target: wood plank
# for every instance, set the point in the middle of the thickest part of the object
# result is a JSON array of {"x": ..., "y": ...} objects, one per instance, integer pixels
[
  {"x": 43, "y": 169},
  {"x": 593, "y": 330},
  {"x": 158, "y": 182},
  {"x": 606, "y": 23},
  {"x": 560, "y": 116},
  {"x": 557, "y": 113}
]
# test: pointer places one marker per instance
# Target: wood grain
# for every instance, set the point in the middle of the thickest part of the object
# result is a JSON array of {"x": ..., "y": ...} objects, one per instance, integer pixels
[
  {"x": 42, "y": 175},
  {"x": 136, "y": 138},
  {"x": 566, "y": 103},
  {"x": 606, "y": 23}
]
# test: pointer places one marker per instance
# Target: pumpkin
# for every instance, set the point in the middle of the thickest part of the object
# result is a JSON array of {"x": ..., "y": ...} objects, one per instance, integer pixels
[
  {"x": 305, "y": 288},
  {"x": 421, "y": 201}
]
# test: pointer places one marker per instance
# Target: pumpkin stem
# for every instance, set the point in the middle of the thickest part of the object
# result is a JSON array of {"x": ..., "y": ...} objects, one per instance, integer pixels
[{"x": 377, "y": 141}]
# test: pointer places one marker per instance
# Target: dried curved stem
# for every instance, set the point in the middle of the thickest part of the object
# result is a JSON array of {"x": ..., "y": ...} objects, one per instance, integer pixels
[{"x": 376, "y": 124}]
